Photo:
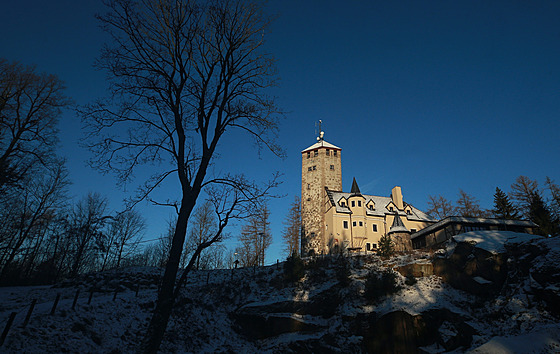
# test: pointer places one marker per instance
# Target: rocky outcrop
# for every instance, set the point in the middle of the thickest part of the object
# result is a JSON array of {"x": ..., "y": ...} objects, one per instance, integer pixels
[
  {"x": 400, "y": 332},
  {"x": 416, "y": 269}
]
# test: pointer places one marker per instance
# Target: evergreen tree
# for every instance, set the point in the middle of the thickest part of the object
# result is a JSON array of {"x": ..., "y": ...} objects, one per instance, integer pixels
[
  {"x": 540, "y": 214},
  {"x": 386, "y": 246},
  {"x": 503, "y": 207}
]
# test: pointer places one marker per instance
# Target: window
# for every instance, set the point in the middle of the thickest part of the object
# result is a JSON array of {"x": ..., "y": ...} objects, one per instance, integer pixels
[
  {"x": 374, "y": 228},
  {"x": 308, "y": 154},
  {"x": 374, "y": 245},
  {"x": 371, "y": 207},
  {"x": 342, "y": 203},
  {"x": 359, "y": 203},
  {"x": 315, "y": 167},
  {"x": 368, "y": 246},
  {"x": 309, "y": 168},
  {"x": 353, "y": 203},
  {"x": 412, "y": 231},
  {"x": 353, "y": 223},
  {"x": 332, "y": 167},
  {"x": 390, "y": 208},
  {"x": 334, "y": 152},
  {"x": 316, "y": 153},
  {"x": 345, "y": 224},
  {"x": 361, "y": 223},
  {"x": 408, "y": 212},
  {"x": 308, "y": 186},
  {"x": 328, "y": 152}
]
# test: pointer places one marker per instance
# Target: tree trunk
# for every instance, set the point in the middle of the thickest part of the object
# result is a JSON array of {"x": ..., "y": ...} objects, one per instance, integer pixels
[{"x": 166, "y": 298}]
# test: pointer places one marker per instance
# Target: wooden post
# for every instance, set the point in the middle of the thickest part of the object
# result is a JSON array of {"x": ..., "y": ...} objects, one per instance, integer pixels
[
  {"x": 115, "y": 295},
  {"x": 28, "y": 317},
  {"x": 75, "y": 299},
  {"x": 7, "y": 328},
  {"x": 137, "y": 289},
  {"x": 55, "y": 303},
  {"x": 90, "y": 296}
]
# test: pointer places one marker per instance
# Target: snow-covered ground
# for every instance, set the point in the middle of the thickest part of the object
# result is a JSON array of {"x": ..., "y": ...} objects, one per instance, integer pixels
[{"x": 514, "y": 321}]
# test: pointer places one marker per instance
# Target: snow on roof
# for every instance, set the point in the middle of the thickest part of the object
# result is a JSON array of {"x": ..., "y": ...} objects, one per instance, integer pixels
[
  {"x": 466, "y": 220},
  {"x": 494, "y": 241},
  {"x": 381, "y": 204},
  {"x": 321, "y": 143}
]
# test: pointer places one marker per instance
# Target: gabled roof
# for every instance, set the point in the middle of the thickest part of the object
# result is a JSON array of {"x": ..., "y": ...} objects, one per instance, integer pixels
[
  {"x": 380, "y": 209},
  {"x": 472, "y": 221},
  {"x": 322, "y": 143}
]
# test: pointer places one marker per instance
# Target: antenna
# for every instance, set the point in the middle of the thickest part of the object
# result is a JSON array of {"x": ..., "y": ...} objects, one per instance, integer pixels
[{"x": 320, "y": 133}]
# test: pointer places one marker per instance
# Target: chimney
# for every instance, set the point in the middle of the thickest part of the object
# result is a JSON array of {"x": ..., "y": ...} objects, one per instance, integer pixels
[{"x": 396, "y": 195}]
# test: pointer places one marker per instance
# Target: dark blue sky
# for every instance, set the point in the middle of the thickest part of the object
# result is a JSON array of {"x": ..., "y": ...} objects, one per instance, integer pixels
[{"x": 432, "y": 96}]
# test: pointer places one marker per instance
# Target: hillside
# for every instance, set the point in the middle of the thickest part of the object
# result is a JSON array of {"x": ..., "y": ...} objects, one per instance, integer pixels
[{"x": 511, "y": 305}]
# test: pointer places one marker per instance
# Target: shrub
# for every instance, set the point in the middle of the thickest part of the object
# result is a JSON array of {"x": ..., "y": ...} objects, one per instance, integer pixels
[
  {"x": 410, "y": 280},
  {"x": 378, "y": 285},
  {"x": 385, "y": 246},
  {"x": 293, "y": 268},
  {"x": 343, "y": 271}
]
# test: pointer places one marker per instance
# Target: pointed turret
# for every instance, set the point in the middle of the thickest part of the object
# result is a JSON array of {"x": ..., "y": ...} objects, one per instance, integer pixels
[
  {"x": 355, "y": 189},
  {"x": 398, "y": 225}
]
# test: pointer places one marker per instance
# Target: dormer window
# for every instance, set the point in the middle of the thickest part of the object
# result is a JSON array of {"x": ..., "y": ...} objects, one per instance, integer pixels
[
  {"x": 370, "y": 207},
  {"x": 408, "y": 212},
  {"x": 391, "y": 209},
  {"x": 342, "y": 204}
]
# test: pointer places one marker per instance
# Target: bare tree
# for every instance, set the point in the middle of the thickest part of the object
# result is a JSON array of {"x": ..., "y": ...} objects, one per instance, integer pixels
[
  {"x": 182, "y": 74},
  {"x": 255, "y": 239},
  {"x": 468, "y": 206},
  {"x": 122, "y": 237},
  {"x": 30, "y": 105},
  {"x": 202, "y": 227},
  {"x": 554, "y": 190},
  {"x": 292, "y": 230},
  {"x": 522, "y": 192},
  {"x": 440, "y": 207}
]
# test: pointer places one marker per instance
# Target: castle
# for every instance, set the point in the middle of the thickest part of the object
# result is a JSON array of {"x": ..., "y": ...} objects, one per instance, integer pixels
[{"x": 354, "y": 221}]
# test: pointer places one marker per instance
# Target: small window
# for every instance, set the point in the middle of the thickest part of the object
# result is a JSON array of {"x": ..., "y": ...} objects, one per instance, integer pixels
[
  {"x": 308, "y": 186},
  {"x": 334, "y": 153},
  {"x": 390, "y": 208},
  {"x": 374, "y": 245},
  {"x": 353, "y": 203},
  {"x": 361, "y": 223},
  {"x": 308, "y": 154},
  {"x": 353, "y": 223},
  {"x": 332, "y": 167},
  {"x": 374, "y": 228},
  {"x": 328, "y": 152},
  {"x": 316, "y": 153},
  {"x": 315, "y": 167},
  {"x": 368, "y": 246},
  {"x": 342, "y": 204},
  {"x": 359, "y": 203},
  {"x": 412, "y": 231},
  {"x": 345, "y": 224},
  {"x": 408, "y": 212},
  {"x": 309, "y": 168},
  {"x": 370, "y": 207}
]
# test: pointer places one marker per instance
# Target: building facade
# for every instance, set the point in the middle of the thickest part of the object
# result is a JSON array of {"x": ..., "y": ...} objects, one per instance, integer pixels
[{"x": 332, "y": 219}]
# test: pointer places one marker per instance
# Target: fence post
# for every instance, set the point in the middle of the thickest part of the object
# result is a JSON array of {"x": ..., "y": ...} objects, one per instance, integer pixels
[
  {"x": 7, "y": 328},
  {"x": 55, "y": 303},
  {"x": 28, "y": 317},
  {"x": 137, "y": 289},
  {"x": 115, "y": 295},
  {"x": 75, "y": 299}
]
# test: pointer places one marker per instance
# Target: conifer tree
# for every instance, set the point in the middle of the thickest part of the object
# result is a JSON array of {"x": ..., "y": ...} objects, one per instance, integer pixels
[
  {"x": 386, "y": 246},
  {"x": 540, "y": 214},
  {"x": 503, "y": 207}
]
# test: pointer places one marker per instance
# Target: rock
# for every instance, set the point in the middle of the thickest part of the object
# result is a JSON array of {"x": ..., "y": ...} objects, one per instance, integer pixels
[{"x": 416, "y": 269}]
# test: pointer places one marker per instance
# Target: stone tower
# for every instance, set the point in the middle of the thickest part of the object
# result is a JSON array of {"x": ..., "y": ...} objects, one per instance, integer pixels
[{"x": 320, "y": 167}]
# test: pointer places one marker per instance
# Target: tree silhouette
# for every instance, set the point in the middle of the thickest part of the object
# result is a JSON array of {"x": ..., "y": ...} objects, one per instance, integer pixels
[{"x": 503, "y": 207}]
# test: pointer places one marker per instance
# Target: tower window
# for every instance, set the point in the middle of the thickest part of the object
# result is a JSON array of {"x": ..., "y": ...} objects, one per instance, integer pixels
[
  {"x": 308, "y": 186},
  {"x": 359, "y": 203},
  {"x": 361, "y": 223},
  {"x": 374, "y": 228},
  {"x": 328, "y": 152},
  {"x": 316, "y": 153},
  {"x": 308, "y": 154},
  {"x": 353, "y": 223},
  {"x": 309, "y": 168},
  {"x": 332, "y": 167},
  {"x": 314, "y": 168},
  {"x": 345, "y": 224},
  {"x": 334, "y": 152},
  {"x": 353, "y": 203}
]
